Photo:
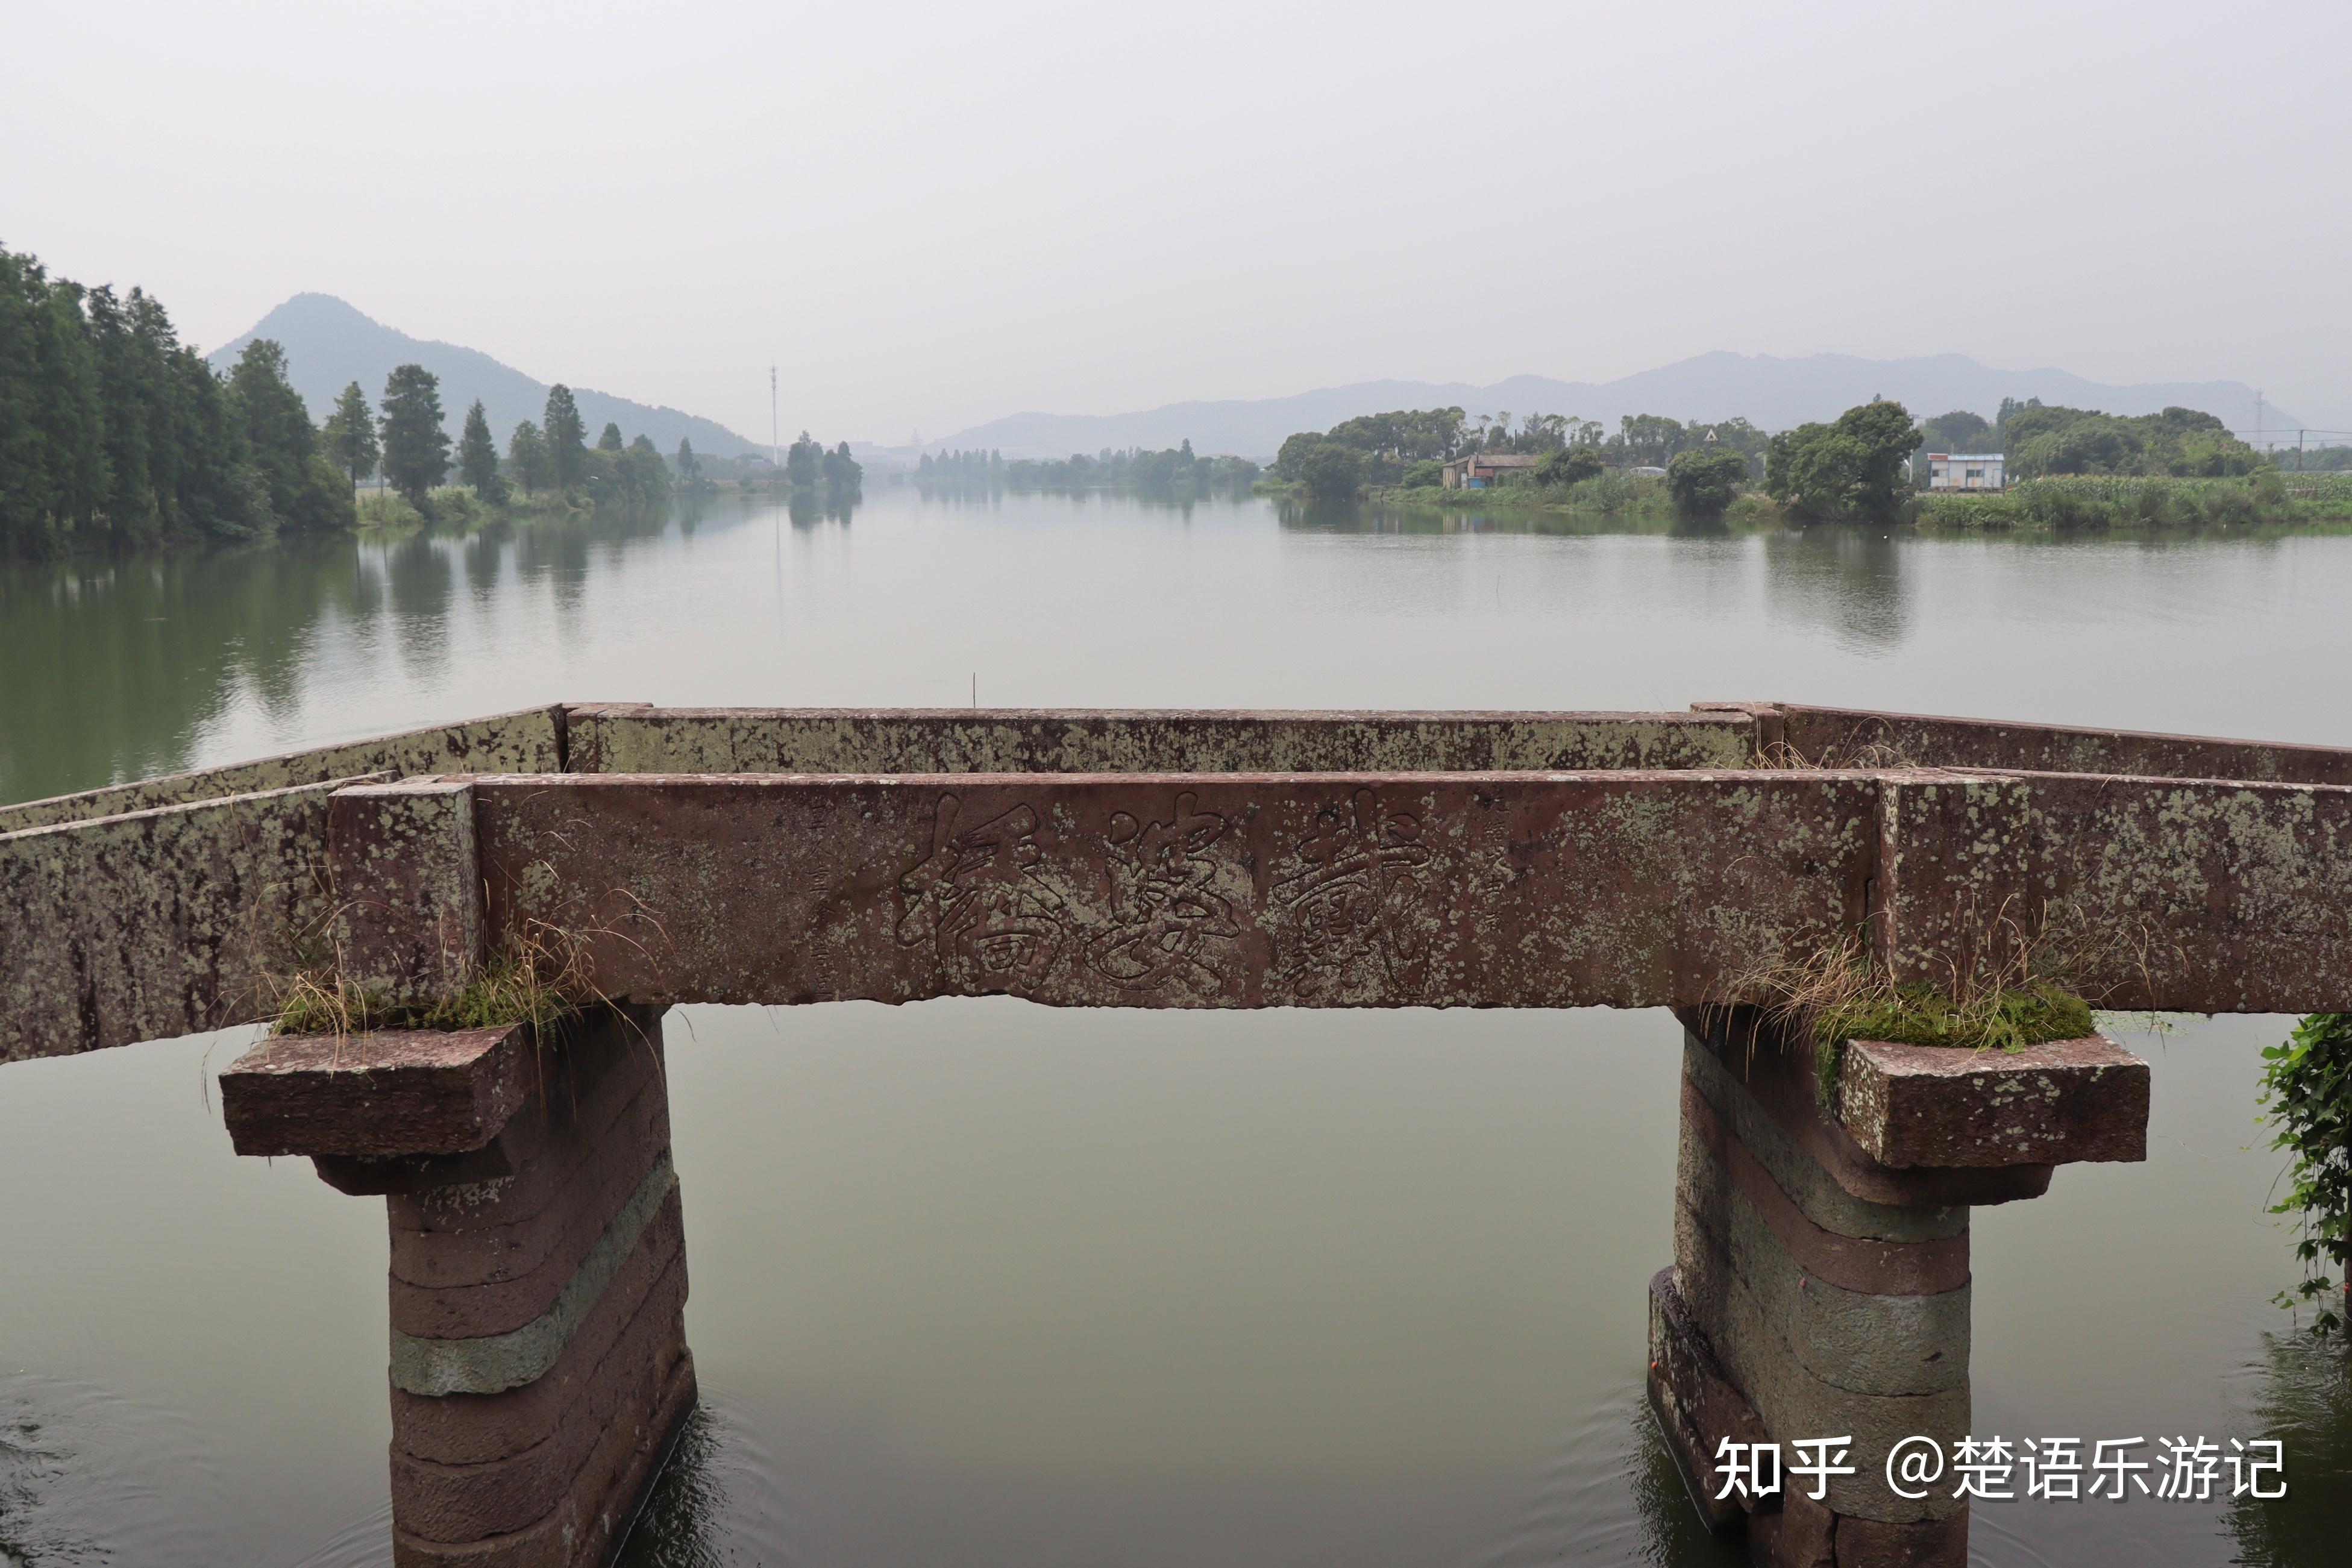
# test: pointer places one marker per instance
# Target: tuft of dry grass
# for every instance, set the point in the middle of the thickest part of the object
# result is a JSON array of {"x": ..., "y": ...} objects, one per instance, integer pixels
[
  {"x": 541, "y": 976},
  {"x": 1875, "y": 755},
  {"x": 2018, "y": 989}
]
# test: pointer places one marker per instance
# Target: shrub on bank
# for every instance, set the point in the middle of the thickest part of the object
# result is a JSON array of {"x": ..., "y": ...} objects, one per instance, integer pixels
[{"x": 2085, "y": 501}]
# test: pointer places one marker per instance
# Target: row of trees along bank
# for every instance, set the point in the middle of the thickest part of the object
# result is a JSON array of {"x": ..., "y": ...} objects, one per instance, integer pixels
[
  {"x": 1175, "y": 470},
  {"x": 113, "y": 432}
]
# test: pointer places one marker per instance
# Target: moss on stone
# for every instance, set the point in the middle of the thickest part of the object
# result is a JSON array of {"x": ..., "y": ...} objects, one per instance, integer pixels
[{"x": 2008, "y": 1019}]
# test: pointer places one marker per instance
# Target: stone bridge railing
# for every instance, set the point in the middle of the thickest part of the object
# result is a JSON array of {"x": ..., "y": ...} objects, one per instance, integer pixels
[{"x": 1171, "y": 860}]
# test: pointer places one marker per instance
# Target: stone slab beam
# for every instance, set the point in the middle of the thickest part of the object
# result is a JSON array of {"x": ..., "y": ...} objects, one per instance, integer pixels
[
  {"x": 1850, "y": 736},
  {"x": 531, "y": 740},
  {"x": 158, "y": 923},
  {"x": 636, "y": 737},
  {"x": 1629, "y": 889}
]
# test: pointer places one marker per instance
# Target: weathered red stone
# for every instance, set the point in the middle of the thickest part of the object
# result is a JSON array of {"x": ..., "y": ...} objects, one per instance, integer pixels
[
  {"x": 1920, "y": 1543},
  {"x": 1779, "y": 1073},
  {"x": 1800, "y": 1534},
  {"x": 637, "y": 737},
  {"x": 585, "y": 1528},
  {"x": 502, "y": 1306},
  {"x": 1846, "y": 737},
  {"x": 642, "y": 1304},
  {"x": 1141, "y": 890},
  {"x": 1850, "y": 1263},
  {"x": 375, "y": 1095},
  {"x": 594, "y": 1076},
  {"x": 2195, "y": 895},
  {"x": 491, "y": 1243},
  {"x": 1696, "y": 1405},
  {"x": 2049, "y": 1104},
  {"x": 531, "y": 740},
  {"x": 157, "y": 923},
  {"x": 436, "y": 1501},
  {"x": 408, "y": 889}
]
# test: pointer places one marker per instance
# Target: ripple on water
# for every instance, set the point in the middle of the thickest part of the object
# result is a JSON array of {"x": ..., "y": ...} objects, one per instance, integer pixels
[
  {"x": 715, "y": 1502},
  {"x": 87, "y": 1475}
]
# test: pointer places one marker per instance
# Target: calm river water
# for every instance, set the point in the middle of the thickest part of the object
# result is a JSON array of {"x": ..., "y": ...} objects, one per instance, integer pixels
[{"x": 976, "y": 1283}]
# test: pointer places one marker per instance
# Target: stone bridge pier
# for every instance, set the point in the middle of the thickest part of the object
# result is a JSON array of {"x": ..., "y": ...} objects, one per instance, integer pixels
[
  {"x": 537, "y": 1293},
  {"x": 1820, "y": 1287}
]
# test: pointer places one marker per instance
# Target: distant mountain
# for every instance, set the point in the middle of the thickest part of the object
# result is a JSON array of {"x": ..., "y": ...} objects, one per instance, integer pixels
[
  {"x": 1774, "y": 393},
  {"x": 329, "y": 345}
]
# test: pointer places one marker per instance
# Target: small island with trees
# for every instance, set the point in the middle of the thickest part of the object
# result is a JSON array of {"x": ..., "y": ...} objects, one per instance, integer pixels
[{"x": 2071, "y": 467}]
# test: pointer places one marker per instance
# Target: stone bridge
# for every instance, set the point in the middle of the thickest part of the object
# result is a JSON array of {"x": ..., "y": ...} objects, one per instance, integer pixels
[{"x": 640, "y": 857}]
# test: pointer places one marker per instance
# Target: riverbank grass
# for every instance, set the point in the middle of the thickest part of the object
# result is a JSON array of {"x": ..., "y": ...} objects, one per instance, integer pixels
[{"x": 2094, "y": 501}]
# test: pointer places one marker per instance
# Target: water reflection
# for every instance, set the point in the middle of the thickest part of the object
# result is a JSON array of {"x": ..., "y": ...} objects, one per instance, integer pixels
[
  {"x": 2302, "y": 1394},
  {"x": 112, "y": 668},
  {"x": 1848, "y": 580}
]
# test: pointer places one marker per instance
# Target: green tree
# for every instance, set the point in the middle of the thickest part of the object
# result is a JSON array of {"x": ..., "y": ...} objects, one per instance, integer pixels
[
  {"x": 70, "y": 412},
  {"x": 804, "y": 463},
  {"x": 843, "y": 474},
  {"x": 306, "y": 490},
  {"x": 1650, "y": 440},
  {"x": 1568, "y": 465},
  {"x": 2181, "y": 442},
  {"x": 131, "y": 339},
  {"x": 1855, "y": 469},
  {"x": 1331, "y": 471},
  {"x": 351, "y": 434},
  {"x": 527, "y": 450},
  {"x": 113, "y": 430},
  {"x": 610, "y": 441},
  {"x": 216, "y": 489},
  {"x": 26, "y": 491},
  {"x": 690, "y": 466},
  {"x": 644, "y": 477},
  {"x": 1958, "y": 431},
  {"x": 567, "y": 438},
  {"x": 1702, "y": 483},
  {"x": 415, "y": 446},
  {"x": 1291, "y": 460},
  {"x": 478, "y": 457}
]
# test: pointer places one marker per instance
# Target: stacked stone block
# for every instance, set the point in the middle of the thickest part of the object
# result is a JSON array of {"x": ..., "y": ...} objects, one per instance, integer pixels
[
  {"x": 1818, "y": 1292},
  {"x": 538, "y": 1365}
]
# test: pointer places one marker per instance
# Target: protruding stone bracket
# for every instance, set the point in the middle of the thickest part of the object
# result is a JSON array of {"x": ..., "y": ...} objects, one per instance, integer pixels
[
  {"x": 384, "y": 1095},
  {"x": 2054, "y": 1104},
  {"x": 1777, "y": 1074},
  {"x": 408, "y": 886}
]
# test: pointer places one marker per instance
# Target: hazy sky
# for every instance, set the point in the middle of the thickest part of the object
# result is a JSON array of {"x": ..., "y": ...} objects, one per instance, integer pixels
[{"x": 930, "y": 215}]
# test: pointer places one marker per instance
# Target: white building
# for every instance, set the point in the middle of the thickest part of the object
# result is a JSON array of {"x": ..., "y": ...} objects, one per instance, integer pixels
[{"x": 1964, "y": 471}]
